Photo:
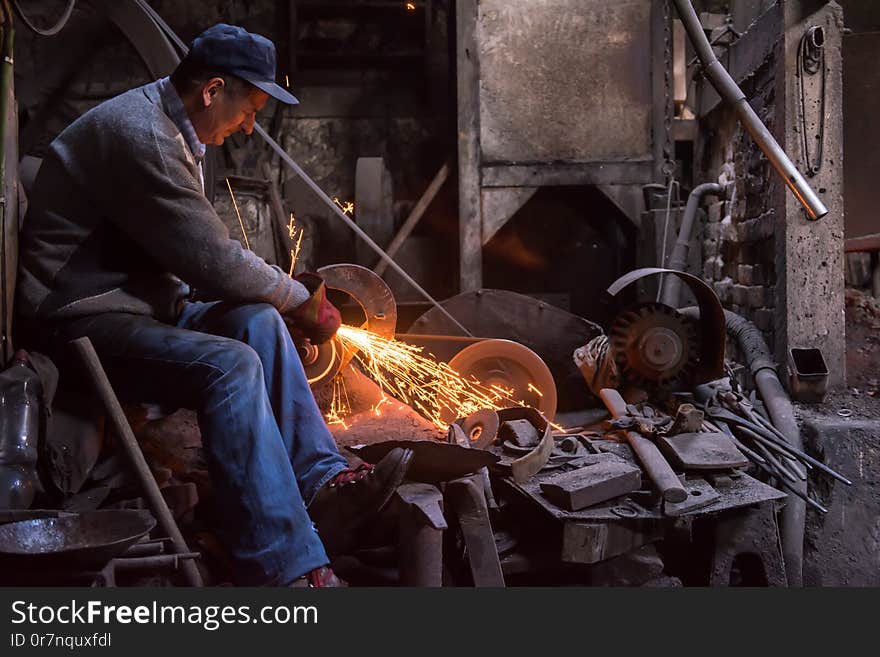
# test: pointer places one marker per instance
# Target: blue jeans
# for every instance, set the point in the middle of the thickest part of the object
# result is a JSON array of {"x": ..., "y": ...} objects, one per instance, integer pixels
[{"x": 267, "y": 445}]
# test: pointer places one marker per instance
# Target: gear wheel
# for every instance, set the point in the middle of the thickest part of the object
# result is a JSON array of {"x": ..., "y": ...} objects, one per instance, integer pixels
[{"x": 654, "y": 345}]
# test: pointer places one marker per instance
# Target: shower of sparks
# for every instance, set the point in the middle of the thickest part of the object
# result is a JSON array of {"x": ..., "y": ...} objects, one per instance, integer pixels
[
  {"x": 347, "y": 207},
  {"x": 286, "y": 81},
  {"x": 238, "y": 214},
  {"x": 535, "y": 390},
  {"x": 340, "y": 407},
  {"x": 297, "y": 235},
  {"x": 433, "y": 389},
  {"x": 411, "y": 6}
]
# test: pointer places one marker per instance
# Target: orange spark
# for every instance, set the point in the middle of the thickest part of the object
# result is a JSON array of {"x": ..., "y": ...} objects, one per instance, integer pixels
[
  {"x": 339, "y": 404},
  {"x": 410, "y": 6},
  {"x": 238, "y": 214},
  {"x": 347, "y": 207},
  {"x": 535, "y": 390},
  {"x": 433, "y": 389}
]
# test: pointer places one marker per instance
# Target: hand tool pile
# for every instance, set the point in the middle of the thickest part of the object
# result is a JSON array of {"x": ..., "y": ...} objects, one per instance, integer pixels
[{"x": 746, "y": 422}]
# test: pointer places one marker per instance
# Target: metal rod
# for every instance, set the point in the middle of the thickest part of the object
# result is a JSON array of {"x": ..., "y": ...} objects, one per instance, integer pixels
[
  {"x": 806, "y": 498},
  {"x": 414, "y": 216},
  {"x": 731, "y": 93},
  {"x": 348, "y": 221},
  {"x": 116, "y": 416}
]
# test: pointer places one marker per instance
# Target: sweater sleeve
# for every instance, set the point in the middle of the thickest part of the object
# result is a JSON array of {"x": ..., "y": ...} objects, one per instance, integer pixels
[{"x": 158, "y": 202}]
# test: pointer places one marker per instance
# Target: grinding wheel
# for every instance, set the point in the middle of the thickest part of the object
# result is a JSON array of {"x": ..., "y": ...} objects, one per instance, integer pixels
[
  {"x": 323, "y": 362},
  {"x": 510, "y": 365}
]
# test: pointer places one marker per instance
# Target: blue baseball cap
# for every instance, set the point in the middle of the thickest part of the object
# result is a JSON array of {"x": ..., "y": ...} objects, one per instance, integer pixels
[{"x": 236, "y": 51}]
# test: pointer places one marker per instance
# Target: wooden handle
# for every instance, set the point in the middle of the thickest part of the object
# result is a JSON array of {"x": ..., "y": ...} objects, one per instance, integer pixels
[
  {"x": 661, "y": 474},
  {"x": 613, "y": 402}
]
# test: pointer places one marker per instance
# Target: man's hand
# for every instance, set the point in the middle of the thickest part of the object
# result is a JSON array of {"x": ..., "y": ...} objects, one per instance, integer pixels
[{"x": 317, "y": 318}]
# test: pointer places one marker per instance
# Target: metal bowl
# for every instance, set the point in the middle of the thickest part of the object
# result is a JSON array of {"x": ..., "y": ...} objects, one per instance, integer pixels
[{"x": 76, "y": 542}]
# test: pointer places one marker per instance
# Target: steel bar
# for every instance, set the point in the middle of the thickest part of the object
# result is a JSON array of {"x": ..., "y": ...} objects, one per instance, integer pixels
[
  {"x": 116, "y": 416},
  {"x": 780, "y": 470},
  {"x": 786, "y": 446},
  {"x": 806, "y": 498},
  {"x": 731, "y": 93},
  {"x": 770, "y": 445},
  {"x": 351, "y": 224}
]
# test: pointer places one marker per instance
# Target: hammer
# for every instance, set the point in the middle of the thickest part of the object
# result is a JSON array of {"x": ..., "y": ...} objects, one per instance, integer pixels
[{"x": 658, "y": 469}]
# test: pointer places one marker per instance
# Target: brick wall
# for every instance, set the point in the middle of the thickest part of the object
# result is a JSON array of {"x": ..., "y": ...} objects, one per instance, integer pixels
[{"x": 739, "y": 233}]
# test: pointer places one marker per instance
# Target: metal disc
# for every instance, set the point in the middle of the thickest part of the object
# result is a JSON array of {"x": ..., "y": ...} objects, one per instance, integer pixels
[
  {"x": 323, "y": 362},
  {"x": 481, "y": 427},
  {"x": 513, "y": 366}
]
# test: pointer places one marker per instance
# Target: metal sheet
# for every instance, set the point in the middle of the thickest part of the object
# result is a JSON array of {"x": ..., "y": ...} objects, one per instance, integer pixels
[
  {"x": 565, "y": 79},
  {"x": 433, "y": 462}
]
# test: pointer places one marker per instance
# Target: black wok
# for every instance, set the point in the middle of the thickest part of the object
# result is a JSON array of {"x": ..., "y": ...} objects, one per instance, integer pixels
[{"x": 86, "y": 541}]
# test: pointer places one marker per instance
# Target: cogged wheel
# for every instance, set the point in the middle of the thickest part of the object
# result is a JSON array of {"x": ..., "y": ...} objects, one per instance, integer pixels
[{"x": 654, "y": 345}]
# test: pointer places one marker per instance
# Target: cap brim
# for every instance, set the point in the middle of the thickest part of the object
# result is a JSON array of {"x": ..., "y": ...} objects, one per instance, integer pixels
[{"x": 276, "y": 91}]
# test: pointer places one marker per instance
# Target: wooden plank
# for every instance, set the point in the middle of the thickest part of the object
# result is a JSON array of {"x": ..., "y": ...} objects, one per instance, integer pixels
[
  {"x": 568, "y": 173},
  {"x": 469, "y": 215}
]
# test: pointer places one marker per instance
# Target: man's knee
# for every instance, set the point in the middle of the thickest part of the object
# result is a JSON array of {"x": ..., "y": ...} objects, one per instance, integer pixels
[
  {"x": 235, "y": 364},
  {"x": 264, "y": 319}
]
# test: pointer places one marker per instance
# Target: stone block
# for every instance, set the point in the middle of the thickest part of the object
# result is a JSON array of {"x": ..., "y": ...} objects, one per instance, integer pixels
[
  {"x": 755, "y": 296},
  {"x": 712, "y": 231},
  {"x": 764, "y": 318},
  {"x": 758, "y": 274},
  {"x": 744, "y": 274},
  {"x": 728, "y": 230},
  {"x": 715, "y": 212},
  {"x": 739, "y": 294},
  {"x": 723, "y": 289}
]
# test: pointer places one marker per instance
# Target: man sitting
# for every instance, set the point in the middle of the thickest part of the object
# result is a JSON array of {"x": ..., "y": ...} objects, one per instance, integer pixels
[{"x": 119, "y": 229}]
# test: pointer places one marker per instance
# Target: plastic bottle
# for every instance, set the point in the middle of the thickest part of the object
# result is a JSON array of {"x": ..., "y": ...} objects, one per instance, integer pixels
[{"x": 20, "y": 394}]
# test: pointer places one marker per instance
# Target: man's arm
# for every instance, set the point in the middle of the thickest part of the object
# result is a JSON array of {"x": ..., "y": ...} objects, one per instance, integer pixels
[{"x": 160, "y": 204}]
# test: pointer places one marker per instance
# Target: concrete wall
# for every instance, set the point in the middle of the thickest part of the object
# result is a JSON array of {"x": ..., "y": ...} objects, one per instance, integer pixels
[{"x": 766, "y": 260}]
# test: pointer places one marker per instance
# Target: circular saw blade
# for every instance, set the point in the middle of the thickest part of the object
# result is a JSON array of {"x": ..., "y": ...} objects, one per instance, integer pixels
[
  {"x": 653, "y": 344},
  {"x": 512, "y": 366}
]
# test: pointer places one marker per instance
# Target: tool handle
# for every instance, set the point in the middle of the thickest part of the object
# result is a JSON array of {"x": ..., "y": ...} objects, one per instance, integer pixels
[
  {"x": 116, "y": 416},
  {"x": 663, "y": 477},
  {"x": 613, "y": 402}
]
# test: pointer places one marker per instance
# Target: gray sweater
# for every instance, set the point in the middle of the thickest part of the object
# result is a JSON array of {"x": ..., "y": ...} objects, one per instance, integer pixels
[{"x": 118, "y": 221}]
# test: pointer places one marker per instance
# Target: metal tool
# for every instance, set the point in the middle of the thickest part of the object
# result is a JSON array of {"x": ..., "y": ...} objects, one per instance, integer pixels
[
  {"x": 372, "y": 294},
  {"x": 652, "y": 344},
  {"x": 512, "y": 366},
  {"x": 116, "y": 417},
  {"x": 712, "y": 333},
  {"x": 659, "y": 471}
]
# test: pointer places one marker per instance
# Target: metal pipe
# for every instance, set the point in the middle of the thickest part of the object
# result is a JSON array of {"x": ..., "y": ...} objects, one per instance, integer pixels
[
  {"x": 778, "y": 405},
  {"x": 351, "y": 224},
  {"x": 6, "y": 81},
  {"x": 678, "y": 258},
  {"x": 732, "y": 94}
]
